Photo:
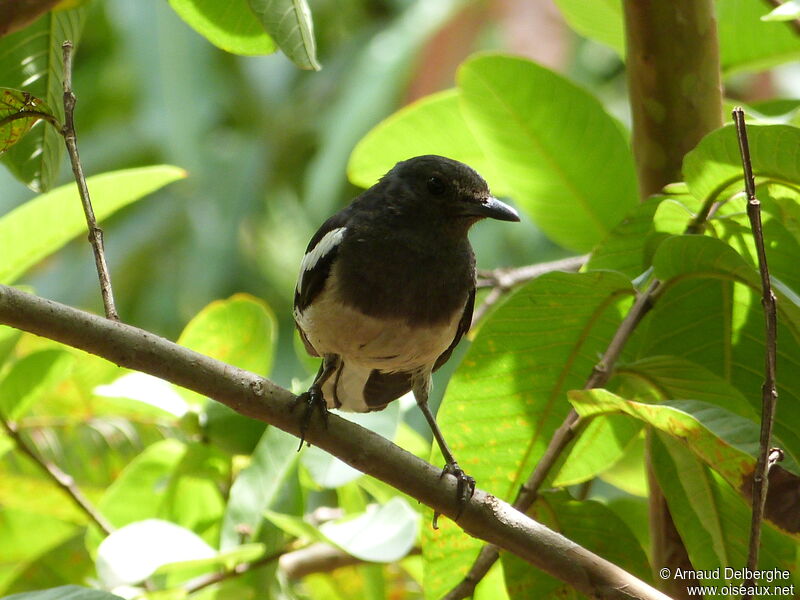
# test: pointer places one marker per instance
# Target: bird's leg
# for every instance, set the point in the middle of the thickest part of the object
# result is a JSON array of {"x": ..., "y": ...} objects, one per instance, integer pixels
[
  {"x": 465, "y": 486},
  {"x": 313, "y": 398}
]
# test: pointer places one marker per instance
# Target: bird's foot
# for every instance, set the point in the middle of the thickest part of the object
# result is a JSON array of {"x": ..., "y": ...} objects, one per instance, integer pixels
[
  {"x": 313, "y": 400},
  {"x": 465, "y": 488}
]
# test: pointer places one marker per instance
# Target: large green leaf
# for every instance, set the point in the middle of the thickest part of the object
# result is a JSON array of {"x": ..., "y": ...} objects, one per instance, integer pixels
[
  {"x": 30, "y": 60},
  {"x": 586, "y": 523},
  {"x": 258, "y": 485},
  {"x": 565, "y": 160},
  {"x": 290, "y": 25},
  {"x": 432, "y": 125},
  {"x": 713, "y": 521},
  {"x": 600, "y": 20},
  {"x": 724, "y": 441},
  {"x": 229, "y": 25},
  {"x": 29, "y": 378},
  {"x": 715, "y": 164},
  {"x": 41, "y": 226},
  {"x": 65, "y": 592},
  {"x": 507, "y": 397}
]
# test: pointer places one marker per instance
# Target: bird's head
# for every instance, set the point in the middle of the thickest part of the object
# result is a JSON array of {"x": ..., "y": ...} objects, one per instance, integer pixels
[{"x": 448, "y": 188}]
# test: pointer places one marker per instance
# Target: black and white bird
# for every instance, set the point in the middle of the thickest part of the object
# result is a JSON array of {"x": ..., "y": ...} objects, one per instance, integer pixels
[{"x": 387, "y": 287}]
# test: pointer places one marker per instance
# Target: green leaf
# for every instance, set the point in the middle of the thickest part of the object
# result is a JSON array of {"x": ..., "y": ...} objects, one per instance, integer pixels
[
  {"x": 290, "y": 25},
  {"x": 382, "y": 534},
  {"x": 508, "y": 396},
  {"x": 725, "y": 442},
  {"x": 566, "y": 160},
  {"x": 586, "y": 523},
  {"x": 8, "y": 341},
  {"x": 710, "y": 517},
  {"x": 296, "y": 526},
  {"x": 29, "y": 378},
  {"x": 787, "y": 11},
  {"x": 715, "y": 165},
  {"x": 600, "y": 20},
  {"x": 16, "y": 102},
  {"x": 65, "y": 592},
  {"x": 228, "y": 560},
  {"x": 57, "y": 216},
  {"x": 133, "y": 553},
  {"x": 30, "y": 60},
  {"x": 258, "y": 486},
  {"x": 230, "y": 25},
  {"x": 431, "y": 125}
]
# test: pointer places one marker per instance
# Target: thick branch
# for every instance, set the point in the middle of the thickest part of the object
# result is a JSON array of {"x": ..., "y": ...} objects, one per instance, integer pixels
[
  {"x": 95, "y": 233},
  {"x": 484, "y": 517},
  {"x": 769, "y": 392},
  {"x": 59, "y": 477}
]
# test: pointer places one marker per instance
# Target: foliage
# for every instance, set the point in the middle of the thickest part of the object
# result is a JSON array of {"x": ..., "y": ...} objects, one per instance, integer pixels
[{"x": 225, "y": 495}]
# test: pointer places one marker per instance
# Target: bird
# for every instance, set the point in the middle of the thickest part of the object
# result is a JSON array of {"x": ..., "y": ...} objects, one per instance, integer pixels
[{"x": 386, "y": 291}]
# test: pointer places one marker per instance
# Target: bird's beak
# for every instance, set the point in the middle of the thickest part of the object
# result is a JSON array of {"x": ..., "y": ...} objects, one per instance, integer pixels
[{"x": 491, "y": 208}]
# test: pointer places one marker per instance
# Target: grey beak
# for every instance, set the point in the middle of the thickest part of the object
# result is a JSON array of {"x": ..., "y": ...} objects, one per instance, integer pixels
[{"x": 492, "y": 208}]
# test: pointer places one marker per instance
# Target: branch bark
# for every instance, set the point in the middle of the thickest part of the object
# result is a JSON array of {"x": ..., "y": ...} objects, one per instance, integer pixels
[{"x": 484, "y": 517}]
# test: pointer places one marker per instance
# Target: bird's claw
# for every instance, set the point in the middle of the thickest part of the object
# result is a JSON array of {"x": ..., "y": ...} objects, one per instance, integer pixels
[
  {"x": 465, "y": 488},
  {"x": 312, "y": 399}
]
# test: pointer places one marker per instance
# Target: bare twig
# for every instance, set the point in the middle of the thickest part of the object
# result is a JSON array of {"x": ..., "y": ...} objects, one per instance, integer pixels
[
  {"x": 529, "y": 491},
  {"x": 237, "y": 571},
  {"x": 31, "y": 114},
  {"x": 795, "y": 23},
  {"x": 59, "y": 477},
  {"x": 504, "y": 280},
  {"x": 320, "y": 558},
  {"x": 484, "y": 516},
  {"x": 769, "y": 392},
  {"x": 95, "y": 233}
]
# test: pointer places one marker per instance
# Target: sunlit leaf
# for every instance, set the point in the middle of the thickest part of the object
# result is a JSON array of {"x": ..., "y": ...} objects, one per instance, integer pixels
[
  {"x": 564, "y": 159},
  {"x": 230, "y": 25},
  {"x": 15, "y": 103},
  {"x": 599, "y": 20},
  {"x": 289, "y": 23},
  {"x": 57, "y": 216},
  {"x": 30, "y": 60},
  {"x": 29, "y": 378},
  {"x": 65, "y": 592},
  {"x": 788, "y": 10}
]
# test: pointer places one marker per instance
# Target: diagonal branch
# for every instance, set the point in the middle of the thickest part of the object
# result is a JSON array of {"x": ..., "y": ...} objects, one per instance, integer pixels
[
  {"x": 769, "y": 392},
  {"x": 484, "y": 517}
]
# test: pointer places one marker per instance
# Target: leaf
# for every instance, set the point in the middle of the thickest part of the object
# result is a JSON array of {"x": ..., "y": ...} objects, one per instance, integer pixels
[
  {"x": 289, "y": 23},
  {"x": 65, "y": 592},
  {"x": 600, "y": 20},
  {"x": 787, "y": 11},
  {"x": 133, "y": 553},
  {"x": 30, "y": 60},
  {"x": 230, "y": 25},
  {"x": 228, "y": 560},
  {"x": 16, "y": 102},
  {"x": 508, "y": 395},
  {"x": 725, "y": 442},
  {"x": 710, "y": 517},
  {"x": 382, "y": 534},
  {"x": 57, "y": 216},
  {"x": 29, "y": 378},
  {"x": 431, "y": 125},
  {"x": 258, "y": 485},
  {"x": 565, "y": 160},
  {"x": 586, "y": 523},
  {"x": 715, "y": 163}
]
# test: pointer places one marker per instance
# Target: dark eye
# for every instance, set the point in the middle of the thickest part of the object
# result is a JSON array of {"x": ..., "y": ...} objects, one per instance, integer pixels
[{"x": 436, "y": 186}]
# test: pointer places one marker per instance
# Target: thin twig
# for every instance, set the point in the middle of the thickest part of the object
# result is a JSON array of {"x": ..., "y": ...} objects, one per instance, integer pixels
[
  {"x": 237, "y": 571},
  {"x": 795, "y": 23},
  {"x": 31, "y": 114},
  {"x": 61, "y": 479},
  {"x": 769, "y": 392},
  {"x": 504, "y": 280},
  {"x": 95, "y": 233},
  {"x": 529, "y": 491}
]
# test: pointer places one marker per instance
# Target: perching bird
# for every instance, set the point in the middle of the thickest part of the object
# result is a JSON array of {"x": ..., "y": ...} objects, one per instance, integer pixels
[{"x": 387, "y": 287}]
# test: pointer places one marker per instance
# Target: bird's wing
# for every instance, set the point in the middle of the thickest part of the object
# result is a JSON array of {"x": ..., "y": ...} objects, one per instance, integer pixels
[
  {"x": 463, "y": 327},
  {"x": 317, "y": 261}
]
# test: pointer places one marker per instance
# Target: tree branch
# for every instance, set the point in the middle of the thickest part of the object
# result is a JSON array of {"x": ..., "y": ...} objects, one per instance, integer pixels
[
  {"x": 59, "y": 477},
  {"x": 484, "y": 516},
  {"x": 95, "y": 233},
  {"x": 769, "y": 392}
]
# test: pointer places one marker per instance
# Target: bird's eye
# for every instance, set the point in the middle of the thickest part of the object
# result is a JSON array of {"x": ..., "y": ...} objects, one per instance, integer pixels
[{"x": 436, "y": 186}]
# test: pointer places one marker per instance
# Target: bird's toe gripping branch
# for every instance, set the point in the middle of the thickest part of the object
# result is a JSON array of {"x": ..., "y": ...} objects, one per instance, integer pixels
[
  {"x": 465, "y": 488},
  {"x": 312, "y": 400}
]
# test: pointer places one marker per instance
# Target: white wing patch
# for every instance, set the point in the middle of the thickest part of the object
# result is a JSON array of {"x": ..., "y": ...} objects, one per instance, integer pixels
[{"x": 328, "y": 242}]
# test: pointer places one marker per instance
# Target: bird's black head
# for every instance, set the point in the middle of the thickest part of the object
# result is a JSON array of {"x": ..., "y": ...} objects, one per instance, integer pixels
[{"x": 449, "y": 188}]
